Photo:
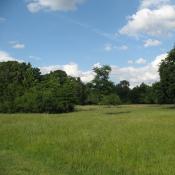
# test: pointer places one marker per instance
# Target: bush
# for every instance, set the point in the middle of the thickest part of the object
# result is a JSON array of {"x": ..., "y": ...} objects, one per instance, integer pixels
[
  {"x": 111, "y": 99},
  {"x": 55, "y": 99}
]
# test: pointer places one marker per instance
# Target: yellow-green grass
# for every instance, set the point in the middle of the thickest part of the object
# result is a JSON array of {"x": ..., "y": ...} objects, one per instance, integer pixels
[{"x": 123, "y": 140}]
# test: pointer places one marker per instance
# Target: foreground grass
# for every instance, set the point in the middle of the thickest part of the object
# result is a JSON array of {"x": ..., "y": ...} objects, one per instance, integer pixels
[{"x": 125, "y": 140}]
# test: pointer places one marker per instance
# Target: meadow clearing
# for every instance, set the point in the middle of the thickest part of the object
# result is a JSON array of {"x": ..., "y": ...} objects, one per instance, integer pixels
[{"x": 94, "y": 140}]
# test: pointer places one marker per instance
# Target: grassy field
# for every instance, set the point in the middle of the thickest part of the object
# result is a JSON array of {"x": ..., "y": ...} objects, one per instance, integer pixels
[{"x": 123, "y": 140}]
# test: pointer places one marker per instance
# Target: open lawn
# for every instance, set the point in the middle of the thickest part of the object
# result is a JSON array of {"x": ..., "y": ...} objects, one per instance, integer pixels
[{"x": 123, "y": 140}]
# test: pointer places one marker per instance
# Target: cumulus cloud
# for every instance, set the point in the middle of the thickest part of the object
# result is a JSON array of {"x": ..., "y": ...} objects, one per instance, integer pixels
[
  {"x": 151, "y": 42},
  {"x": 136, "y": 75},
  {"x": 152, "y": 18},
  {"x": 16, "y": 45},
  {"x": 71, "y": 69},
  {"x": 53, "y": 5},
  {"x": 4, "y": 57},
  {"x": 147, "y": 73}
]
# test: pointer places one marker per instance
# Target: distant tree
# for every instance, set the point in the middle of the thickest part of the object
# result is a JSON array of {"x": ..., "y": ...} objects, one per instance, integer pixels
[
  {"x": 81, "y": 92},
  {"x": 123, "y": 90},
  {"x": 141, "y": 94},
  {"x": 100, "y": 85},
  {"x": 112, "y": 99}
]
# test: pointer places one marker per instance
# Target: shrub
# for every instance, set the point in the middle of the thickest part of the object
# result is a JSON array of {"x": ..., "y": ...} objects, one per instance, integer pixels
[{"x": 111, "y": 99}]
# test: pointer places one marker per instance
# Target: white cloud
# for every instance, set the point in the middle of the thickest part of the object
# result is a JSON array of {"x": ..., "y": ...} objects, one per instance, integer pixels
[
  {"x": 53, "y": 5},
  {"x": 138, "y": 61},
  {"x": 151, "y": 42},
  {"x": 4, "y": 57},
  {"x": 109, "y": 47},
  {"x": 141, "y": 61},
  {"x": 154, "y": 17},
  {"x": 136, "y": 75},
  {"x": 16, "y": 45},
  {"x": 71, "y": 69}
]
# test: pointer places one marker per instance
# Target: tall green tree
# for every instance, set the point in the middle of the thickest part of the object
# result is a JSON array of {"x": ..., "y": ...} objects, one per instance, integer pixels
[
  {"x": 100, "y": 85},
  {"x": 24, "y": 89},
  {"x": 15, "y": 79},
  {"x": 167, "y": 77}
]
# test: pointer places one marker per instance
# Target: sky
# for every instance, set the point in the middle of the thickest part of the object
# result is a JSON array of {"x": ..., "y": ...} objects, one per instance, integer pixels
[{"x": 76, "y": 35}]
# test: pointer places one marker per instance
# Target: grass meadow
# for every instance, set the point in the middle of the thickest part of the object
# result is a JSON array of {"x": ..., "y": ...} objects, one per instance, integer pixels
[{"x": 94, "y": 140}]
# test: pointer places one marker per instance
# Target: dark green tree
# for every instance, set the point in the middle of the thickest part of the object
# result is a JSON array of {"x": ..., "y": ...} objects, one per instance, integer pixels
[
  {"x": 15, "y": 79},
  {"x": 24, "y": 89},
  {"x": 142, "y": 94},
  {"x": 123, "y": 90},
  {"x": 167, "y": 77}
]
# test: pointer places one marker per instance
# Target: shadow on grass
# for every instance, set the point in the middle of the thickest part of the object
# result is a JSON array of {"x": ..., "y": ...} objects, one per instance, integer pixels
[
  {"x": 118, "y": 113},
  {"x": 170, "y": 107}
]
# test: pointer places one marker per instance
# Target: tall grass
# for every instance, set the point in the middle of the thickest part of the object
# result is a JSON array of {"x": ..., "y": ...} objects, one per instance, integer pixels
[{"x": 124, "y": 140}]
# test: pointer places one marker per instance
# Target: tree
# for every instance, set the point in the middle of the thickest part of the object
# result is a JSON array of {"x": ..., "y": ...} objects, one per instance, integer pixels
[
  {"x": 81, "y": 92},
  {"x": 141, "y": 94},
  {"x": 100, "y": 85},
  {"x": 24, "y": 89},
  {"x": 15, "y": 79},
  {"x": 123, "y": 90},
  {"x": 167, "y": 77},
  {"x": 158, "y": 94}
]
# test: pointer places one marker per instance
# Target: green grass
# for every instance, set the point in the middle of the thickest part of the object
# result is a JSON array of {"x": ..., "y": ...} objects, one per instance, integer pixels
[{"x": 124, "y": 140}]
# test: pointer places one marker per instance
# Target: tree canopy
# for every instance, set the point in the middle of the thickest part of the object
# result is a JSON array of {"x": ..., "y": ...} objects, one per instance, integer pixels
[{"x": 167, "y": 77}]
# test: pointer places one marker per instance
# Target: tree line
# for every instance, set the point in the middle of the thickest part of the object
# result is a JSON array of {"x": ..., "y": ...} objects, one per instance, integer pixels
[{"x": 24, "y": 89}]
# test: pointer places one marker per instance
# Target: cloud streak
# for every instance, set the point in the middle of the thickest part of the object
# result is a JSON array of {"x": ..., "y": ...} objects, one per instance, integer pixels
[
  {"x": 53, "y": 5},
  {"x": 99, "y": 32},
  {"x": 17, "y": 45}
]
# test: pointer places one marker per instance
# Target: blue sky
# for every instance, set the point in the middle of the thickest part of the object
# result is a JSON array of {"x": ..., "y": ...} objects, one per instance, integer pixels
[{"x": 74, "y": 35}]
